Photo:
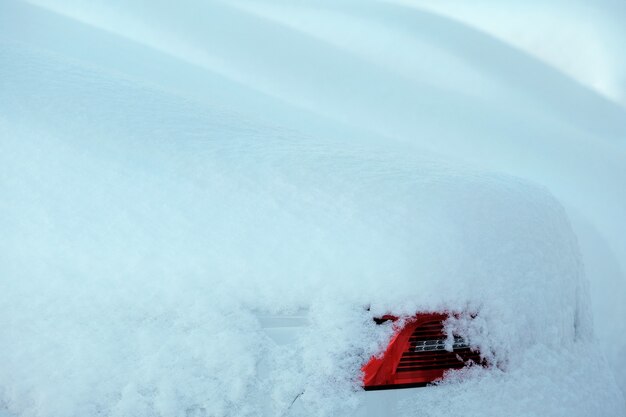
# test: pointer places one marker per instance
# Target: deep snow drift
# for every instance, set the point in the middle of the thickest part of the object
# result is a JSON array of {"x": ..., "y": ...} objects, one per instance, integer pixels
[{"x": 146, "y": 220}]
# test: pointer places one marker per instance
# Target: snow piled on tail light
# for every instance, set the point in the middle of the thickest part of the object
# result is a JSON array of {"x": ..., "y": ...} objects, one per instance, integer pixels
[
  {"x": 142, "y": 230},
  {"x": 420, "y": 353}
]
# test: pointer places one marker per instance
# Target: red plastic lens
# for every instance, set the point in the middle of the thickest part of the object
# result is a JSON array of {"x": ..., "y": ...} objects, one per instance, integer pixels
[{"x": 416, "y": 354}]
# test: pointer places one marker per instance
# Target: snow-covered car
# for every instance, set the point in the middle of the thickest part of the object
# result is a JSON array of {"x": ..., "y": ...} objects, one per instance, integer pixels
[
  {"x": 165, "y": 255},
  {"x": 152, "y": 269}
]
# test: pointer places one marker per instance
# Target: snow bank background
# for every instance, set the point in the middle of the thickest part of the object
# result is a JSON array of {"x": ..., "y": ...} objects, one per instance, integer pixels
[{"x": 165, "y": 178}]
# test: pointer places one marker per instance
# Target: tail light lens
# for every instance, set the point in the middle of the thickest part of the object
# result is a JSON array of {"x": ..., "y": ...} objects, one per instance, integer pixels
[{"x": 417, "y": 355}]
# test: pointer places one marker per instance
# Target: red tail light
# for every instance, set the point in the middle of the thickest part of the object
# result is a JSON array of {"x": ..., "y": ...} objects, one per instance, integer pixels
[{"x": 417, "y": 355}]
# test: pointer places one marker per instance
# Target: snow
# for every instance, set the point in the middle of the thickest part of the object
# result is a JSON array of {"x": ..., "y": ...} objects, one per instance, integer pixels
[
  {"x": 583, "y": 40},
  {"x": 168, "y": 175}
]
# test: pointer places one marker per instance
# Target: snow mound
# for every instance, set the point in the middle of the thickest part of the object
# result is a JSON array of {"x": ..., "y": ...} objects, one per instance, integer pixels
[{"x": 143, "y": 232}]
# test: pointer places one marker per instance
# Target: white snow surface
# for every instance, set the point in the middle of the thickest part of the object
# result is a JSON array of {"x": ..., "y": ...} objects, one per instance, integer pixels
[{"x": 169, "y": 172}]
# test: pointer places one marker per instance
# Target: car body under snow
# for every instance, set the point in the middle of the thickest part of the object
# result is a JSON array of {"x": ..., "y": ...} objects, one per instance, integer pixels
[{"x": 167, "y": 256}]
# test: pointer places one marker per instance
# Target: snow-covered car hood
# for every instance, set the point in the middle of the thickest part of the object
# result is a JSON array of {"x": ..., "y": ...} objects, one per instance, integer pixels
[{"x": 168, "y": 256}]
